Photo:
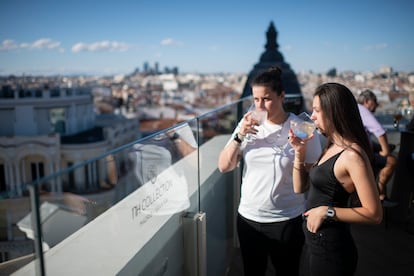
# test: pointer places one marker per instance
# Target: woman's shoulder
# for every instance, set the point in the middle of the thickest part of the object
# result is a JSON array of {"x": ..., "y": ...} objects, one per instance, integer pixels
[{"x": 354, "y": 152}]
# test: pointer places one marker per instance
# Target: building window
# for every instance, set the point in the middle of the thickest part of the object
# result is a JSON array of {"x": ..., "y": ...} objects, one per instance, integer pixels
[
  {"x": 91, "y": 176},
  {"x": 3, "y": 225},
  {"x": 58, "y": 120},
  {"x": 3, "y": 187},
  {"x": 71, "y": 175},
  {"x": 38, "y": 171},
  {"x": 4, "y": 256}
]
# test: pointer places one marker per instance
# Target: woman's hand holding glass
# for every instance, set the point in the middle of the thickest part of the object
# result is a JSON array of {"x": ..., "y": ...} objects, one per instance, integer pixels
[
  {"x": 254, "y": 117},
  {"x": 301, "y": 130},
  {"x": 302, "y": 127}
]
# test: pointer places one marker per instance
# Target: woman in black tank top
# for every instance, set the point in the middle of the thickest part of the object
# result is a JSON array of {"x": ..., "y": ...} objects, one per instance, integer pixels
[{"x": 344, "y": 169}]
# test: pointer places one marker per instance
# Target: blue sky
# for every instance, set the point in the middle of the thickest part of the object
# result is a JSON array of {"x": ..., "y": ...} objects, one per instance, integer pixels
[{"x": 39, "y": 37}]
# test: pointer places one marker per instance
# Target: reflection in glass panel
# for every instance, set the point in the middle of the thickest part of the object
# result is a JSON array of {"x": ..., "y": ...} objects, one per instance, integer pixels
[
  {"x": 13, "y": 240},
  {"x": 219, "y": 198},
  {"x": 140, "y": 192},
  {"x": 159, "y": 165}
]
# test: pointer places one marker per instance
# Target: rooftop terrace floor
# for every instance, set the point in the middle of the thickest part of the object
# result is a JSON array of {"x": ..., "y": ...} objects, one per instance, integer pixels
[{"x": 382, "y": 250}]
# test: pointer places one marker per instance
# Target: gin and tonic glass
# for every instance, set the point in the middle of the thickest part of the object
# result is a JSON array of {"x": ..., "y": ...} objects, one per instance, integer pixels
[
  {"x": 257, "y": 116},
  {"x": 303, "y": 126}
]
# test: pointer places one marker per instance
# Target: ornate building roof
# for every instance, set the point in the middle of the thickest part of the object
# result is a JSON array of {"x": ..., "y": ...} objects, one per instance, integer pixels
[{"x": 273, "y": 57}]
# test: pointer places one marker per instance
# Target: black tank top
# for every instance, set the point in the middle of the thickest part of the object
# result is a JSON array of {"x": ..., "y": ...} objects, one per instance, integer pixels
[{"x": 325, "y": 189}]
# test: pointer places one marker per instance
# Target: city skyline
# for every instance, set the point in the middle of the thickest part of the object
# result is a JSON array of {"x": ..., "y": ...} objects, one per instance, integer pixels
[{"x": 109, "y": 38}]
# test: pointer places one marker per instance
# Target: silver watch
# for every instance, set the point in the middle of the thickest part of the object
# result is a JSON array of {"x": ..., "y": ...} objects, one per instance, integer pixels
[{"x": 330, "y": 213}]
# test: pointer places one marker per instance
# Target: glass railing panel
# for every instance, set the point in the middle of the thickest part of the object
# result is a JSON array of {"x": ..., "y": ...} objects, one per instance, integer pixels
[
  {"x": 16, "y": 249},
  {"x": 111, "y": 206},
  {"x": 219, "y": 192},
  {"x": 169, "y": 162},
  {"x": 125, "y": 206}
]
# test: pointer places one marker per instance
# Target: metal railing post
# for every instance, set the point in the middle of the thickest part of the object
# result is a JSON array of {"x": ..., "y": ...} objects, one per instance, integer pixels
[
  {"x": 195, "y": 244},
  {"x": 37, "y": 230}
]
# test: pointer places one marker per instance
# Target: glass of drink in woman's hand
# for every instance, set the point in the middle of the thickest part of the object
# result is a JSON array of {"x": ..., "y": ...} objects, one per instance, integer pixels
[
  {"x": 303, "y": 126},
  {"x": 258, "y": 117}
]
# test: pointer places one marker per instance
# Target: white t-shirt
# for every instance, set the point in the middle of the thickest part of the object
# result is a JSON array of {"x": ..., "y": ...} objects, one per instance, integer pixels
[{"x": 267, "y": 190}]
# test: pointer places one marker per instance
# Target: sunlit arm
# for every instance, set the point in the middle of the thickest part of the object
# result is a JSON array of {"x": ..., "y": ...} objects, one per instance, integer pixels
[
  {"x": 300, "y": 174},
  {"x": 183, "y": 147},
  {"x": 229, "y": 157},
  {"x": 383, "y": 141},
  {"x": 359, "y": 173}
]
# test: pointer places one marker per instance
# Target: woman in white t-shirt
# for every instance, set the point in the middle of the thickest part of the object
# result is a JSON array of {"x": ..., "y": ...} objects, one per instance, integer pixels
[{"x": 270, "y": 213}]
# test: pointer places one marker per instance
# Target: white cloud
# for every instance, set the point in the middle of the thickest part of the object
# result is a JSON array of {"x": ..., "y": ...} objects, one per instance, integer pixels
[
  {"x": 170, "y": 42},
  {"x": 45, "y": 43},
  {"x": 378, "y": 46},
  {"x": 112, "y": 46},
  {"x": 8, "y": 45},
  {"x": 40, "y": 44},
  {"x": 49, "y": 44}
]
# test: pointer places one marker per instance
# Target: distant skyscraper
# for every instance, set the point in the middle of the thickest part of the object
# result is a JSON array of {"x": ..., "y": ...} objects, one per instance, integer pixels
[
  {"x": 156, "y": 68},
  {"x": 272, "y": 57},
  {"x": 146, "y": 67}
]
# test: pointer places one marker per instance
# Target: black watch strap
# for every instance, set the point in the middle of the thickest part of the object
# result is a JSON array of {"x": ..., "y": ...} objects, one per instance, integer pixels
[{"x": 237, "y": 138}]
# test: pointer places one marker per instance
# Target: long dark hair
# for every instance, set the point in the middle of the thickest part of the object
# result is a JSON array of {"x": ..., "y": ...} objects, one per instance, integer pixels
[
  {"x": 341, "y": 114},
  {"x": 271, "y": 78}
]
